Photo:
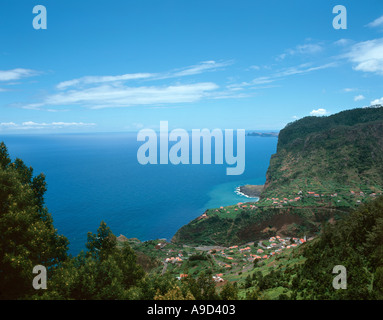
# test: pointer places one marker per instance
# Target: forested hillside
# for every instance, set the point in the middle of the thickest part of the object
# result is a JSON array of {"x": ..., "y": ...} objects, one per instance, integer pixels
[{"x": 107, "y": 270}]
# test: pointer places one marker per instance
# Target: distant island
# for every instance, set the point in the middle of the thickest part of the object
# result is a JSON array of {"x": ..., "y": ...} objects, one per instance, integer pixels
[{"x": 263, "y": 134}]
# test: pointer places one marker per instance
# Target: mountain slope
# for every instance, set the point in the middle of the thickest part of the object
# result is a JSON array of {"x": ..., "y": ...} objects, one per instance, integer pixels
[{"x": 324, "y": 168}]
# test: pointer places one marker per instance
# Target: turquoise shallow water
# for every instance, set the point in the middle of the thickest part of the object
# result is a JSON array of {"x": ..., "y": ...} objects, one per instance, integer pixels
[{"x": 95, "y": 177}]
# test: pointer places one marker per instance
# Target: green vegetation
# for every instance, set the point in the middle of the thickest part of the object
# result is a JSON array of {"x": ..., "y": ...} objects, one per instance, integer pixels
[
  {"x": 109, "y": 269},
  {"x": 324, "y": 183},
  {"x": 324, "y": 168},
  {"x": 355, "y": 243},
  {"x": 27, "y": 235}
]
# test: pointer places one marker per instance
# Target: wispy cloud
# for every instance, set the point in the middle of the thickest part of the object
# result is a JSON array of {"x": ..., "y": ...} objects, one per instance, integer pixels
[
  {"x": 282, "y": 74},
  {"x": 127, "y": 90},
  {"x": 343, "y": 42},
  {"x": 16, "y": 74},
  {"x": 107, "y": 96},
  {"x": 102, "y": 79},
  {"x": 27, "y": 125},
  {"x": 303, "y": 49},
  {"x": 359, "y": 97},
  {"x": 199, "y": 68},
  {"x": 376, "y": 23},
  {"x": 349, "y": 89},
  {"x": 367, "y": 56}
]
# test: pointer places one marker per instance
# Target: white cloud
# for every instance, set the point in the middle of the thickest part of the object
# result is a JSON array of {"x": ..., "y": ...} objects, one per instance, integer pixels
[
  {"x": 123, "y": 90},
  {"x": 16, "y": 74},
  {"x": 376, "y": 23},
  {"x": 199, "y": 68},
  {"x": 119, "y": 95},
  {"x": 367, "y": 56},
  {"x": 103, "y": 79},
  {"x": 302, "y": 69},
  {"x": 377, "y": 101},
  {"x": 295, "y": 70},
  {"x": 306, "y": 49},
  {"x": 27, "y": 125},
  {"x": 8, "y": 124},
  {"x": 343, "y": 42},
  {"x": 318, "y": 112},
  {"x": 349, "y": 89},
  {"x": 255, "y": 68},
  {"x": 359, "y": 97},
  {"x": 303, "y": 49}
]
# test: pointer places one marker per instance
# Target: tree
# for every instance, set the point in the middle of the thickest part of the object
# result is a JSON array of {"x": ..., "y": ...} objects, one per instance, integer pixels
[
  {"x": 378, "y": 283},
  {"x": 229, "y": 291},
  {"x": 103, "y": 243},
  {"x": 175, "y": 293},
  {"x": 4, "y": 156},
  {"x": 248, "y": 282},
  {"x": 27, "y": 235}
]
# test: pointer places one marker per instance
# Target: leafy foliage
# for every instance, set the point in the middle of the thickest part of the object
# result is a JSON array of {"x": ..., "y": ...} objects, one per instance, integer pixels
[{"x": 27, "y": 235}]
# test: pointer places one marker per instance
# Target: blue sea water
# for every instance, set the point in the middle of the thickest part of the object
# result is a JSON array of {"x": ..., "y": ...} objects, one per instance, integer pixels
[{"x": 96, "y": 177}]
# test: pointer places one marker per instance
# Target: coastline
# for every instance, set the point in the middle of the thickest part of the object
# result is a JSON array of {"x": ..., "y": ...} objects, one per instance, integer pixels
[{"x": 250, "y": 191}]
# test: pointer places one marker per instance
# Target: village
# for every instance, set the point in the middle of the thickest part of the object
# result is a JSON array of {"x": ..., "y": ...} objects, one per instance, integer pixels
[
  {"x": 307, "y": 198},
  {"x": 224, "y": 263},
  {"x": 231, "y": 263}
]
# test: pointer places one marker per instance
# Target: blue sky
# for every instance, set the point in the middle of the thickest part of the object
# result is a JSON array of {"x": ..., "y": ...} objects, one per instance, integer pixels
[{"x": 123, "y": 65}]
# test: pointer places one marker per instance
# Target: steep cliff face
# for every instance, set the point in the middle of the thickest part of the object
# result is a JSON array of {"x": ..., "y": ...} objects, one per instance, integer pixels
[
  {"x": 340, "y": 155},
  {"x": 324, "y": 168}
]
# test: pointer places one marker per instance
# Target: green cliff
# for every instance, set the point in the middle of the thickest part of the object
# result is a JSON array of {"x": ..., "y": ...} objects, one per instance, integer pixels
[{"x": 323, "y": 169}]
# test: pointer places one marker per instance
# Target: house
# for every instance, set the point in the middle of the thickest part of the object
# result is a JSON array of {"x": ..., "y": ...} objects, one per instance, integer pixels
[
  {"x": 217, "y": 279},
  {"x": 182, "y": 276},
  {"x": 173, "y": 259}
]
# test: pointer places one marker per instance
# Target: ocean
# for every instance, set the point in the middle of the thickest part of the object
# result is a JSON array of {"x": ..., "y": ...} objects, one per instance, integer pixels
[{"x": 96, "y": 177}]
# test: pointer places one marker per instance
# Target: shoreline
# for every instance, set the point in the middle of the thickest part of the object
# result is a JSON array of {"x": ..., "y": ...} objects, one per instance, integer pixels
[
  {"x": 239, "y": 192},
  {"x": 250, "y": 191}
]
